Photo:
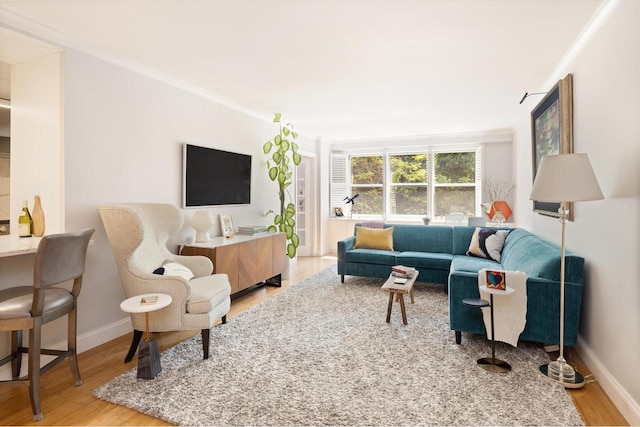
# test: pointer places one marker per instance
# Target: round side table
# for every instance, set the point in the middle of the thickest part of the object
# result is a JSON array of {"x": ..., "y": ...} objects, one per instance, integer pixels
[{"x": 148, "y": 354}]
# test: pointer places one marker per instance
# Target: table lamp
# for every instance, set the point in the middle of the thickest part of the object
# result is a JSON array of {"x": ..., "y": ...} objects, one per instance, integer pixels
[{"x": 564, "y": 178}]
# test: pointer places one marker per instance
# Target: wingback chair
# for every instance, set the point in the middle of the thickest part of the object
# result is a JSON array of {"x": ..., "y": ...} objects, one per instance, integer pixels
[{"x": 138, "y": 234}]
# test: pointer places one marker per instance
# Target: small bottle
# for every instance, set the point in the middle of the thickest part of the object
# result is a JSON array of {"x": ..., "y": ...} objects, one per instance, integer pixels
[{"x": 25, "y": 223}]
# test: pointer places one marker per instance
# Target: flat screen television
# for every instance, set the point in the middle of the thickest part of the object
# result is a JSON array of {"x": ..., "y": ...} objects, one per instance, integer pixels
[{"x": 214, "y": 177}]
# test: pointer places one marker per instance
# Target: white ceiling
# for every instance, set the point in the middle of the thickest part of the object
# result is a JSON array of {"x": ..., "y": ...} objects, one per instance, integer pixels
[{"x": 335, "y": 68}]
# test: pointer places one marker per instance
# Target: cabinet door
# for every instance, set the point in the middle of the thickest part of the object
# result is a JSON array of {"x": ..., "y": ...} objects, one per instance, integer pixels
[
  {"x": 226, "y": 261},
  {"x": 255, "y": 261},
  {"x": 279, "y": 253}
]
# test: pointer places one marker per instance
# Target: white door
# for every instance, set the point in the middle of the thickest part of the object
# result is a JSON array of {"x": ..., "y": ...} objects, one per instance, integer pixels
[{"x": 305, "y": 205}]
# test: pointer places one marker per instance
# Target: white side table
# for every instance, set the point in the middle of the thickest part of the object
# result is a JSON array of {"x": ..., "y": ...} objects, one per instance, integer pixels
[{"x": 148, "y": 354}]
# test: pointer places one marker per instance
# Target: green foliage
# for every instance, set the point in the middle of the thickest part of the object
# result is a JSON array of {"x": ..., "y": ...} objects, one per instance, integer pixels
[
  {"x": 457, "y": 168},
  {"x": 283, "y": 152}
]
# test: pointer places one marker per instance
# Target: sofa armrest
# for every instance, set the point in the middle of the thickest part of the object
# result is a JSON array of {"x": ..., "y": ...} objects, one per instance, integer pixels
[{"x": 344, "y": 246}]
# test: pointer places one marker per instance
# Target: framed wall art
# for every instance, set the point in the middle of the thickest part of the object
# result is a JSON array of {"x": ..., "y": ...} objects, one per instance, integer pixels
[{"x": 552, "y": 133}]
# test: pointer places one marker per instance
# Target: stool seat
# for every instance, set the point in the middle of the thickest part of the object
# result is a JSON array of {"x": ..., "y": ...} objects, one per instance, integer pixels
[{"x": 476, "y": 302}]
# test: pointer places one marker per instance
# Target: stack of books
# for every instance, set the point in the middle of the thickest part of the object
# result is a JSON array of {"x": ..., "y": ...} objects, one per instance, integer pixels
[
  {"x": 252, "y": 229},
  {"x": 402, "y": 271}
]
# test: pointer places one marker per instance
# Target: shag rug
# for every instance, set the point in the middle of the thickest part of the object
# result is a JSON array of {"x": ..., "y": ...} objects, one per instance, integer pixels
[{"x": 321, "y": 353}]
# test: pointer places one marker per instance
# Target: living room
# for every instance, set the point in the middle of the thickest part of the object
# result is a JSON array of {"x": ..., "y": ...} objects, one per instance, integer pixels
[{"x": 119, "y": 135}]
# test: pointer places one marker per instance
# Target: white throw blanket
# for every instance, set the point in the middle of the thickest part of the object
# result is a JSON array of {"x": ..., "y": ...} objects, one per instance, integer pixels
[{"x": 510, "y": 311}]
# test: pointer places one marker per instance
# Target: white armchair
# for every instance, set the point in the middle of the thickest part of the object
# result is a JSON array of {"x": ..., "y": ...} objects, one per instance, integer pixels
[{"x": 138, "y": 234}]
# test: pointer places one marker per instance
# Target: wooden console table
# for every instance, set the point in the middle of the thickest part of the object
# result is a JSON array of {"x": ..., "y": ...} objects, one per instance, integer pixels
[{"x": 247, "y": 260}]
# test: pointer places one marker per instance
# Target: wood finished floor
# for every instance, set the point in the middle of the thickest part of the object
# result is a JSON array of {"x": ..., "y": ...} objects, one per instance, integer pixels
[{"x": 65, "y": 404}]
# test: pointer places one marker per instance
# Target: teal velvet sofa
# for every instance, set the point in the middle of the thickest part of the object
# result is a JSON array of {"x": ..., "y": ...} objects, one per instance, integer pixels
[{"x": 439, "y": 253}]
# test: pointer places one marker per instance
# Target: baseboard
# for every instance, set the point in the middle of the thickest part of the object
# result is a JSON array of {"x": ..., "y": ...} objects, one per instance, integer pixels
[
  {"x": 102, "y": 335},
  {"x": 618, "y": 395}
]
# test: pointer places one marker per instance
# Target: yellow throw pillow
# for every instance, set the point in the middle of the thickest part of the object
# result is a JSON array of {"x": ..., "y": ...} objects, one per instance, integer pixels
[{"x": 372, "y": 238}]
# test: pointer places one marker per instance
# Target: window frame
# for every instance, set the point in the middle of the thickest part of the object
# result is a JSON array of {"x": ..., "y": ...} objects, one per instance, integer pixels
[{"x": 431, "y": 185}]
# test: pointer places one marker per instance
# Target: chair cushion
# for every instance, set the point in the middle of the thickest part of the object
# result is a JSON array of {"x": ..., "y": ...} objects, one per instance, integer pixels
[
  {"x": 208, "y": 292},
  {"x": 15, "y": 303}
]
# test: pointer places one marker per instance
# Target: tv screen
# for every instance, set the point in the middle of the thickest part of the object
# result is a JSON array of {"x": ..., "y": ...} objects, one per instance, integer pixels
[{"x": 215, "y": 177}]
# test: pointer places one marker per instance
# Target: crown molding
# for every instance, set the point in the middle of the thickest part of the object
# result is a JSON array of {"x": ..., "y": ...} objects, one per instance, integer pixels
[{"x": 48, "y": 35}]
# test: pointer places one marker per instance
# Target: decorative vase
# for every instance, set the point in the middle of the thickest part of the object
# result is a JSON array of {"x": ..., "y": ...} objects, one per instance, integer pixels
[
  {"x": 202, "y": 222},
  {"x": 38, "y": 218},
  {"x": 502, "y": 207}
]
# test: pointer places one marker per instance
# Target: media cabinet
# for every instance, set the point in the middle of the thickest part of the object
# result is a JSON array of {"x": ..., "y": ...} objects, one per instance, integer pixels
[{"x": 248, "y": 260}]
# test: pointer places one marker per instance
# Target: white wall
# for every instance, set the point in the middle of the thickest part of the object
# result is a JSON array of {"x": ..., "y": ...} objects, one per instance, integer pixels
[
  {"x": 36, "y": 139},
  {"x": 123, "y": 135},
  {"x": 606, "y": 126}
]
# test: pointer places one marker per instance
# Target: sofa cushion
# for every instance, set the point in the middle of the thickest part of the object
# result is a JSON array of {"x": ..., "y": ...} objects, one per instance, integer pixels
[
  {"x": 371, "y": 238},
  {"x": 371, "y": 256},
  {"x": 425, "y": 260},
  {"x": 487, "y": 243},
  {"x": 468, "y": 264},
  {"x": 423, "y": 238}
]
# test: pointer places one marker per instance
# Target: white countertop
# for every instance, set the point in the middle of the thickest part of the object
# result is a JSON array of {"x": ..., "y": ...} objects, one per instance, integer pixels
[{"x": 12, "y": 245}]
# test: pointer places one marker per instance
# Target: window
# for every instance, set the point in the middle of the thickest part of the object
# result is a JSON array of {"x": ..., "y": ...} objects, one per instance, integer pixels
[
  {"x": 455, "y": 183},
  {"x": 444, "y": 184},
  {"x": 409, "y": 192},
  {"x": 367, "y": 180}
]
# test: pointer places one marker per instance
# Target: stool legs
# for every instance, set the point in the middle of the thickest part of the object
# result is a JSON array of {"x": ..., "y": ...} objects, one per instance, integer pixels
[
  {"x": 400, "y": 298},
  {"x": 390, "y": 306}
]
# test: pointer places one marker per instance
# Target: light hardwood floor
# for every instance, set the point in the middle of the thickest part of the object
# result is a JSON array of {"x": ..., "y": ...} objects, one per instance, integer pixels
[{"x": 65, "y": 404}]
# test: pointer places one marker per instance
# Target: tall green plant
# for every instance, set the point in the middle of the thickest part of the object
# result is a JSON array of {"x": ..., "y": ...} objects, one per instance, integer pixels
[{"x": 284, "y": 151}]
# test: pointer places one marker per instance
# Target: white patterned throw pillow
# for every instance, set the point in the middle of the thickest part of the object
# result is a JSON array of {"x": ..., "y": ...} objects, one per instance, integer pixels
[{"x": 487, "y": 243}]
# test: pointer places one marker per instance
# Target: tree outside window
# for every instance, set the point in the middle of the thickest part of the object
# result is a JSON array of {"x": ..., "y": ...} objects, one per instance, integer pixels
[
  {"x": 455, "y": 178},
  {"x": 409, "y": 190},
  {"x": 367, "y": 180},
  {"x": 429, "y": 183}
]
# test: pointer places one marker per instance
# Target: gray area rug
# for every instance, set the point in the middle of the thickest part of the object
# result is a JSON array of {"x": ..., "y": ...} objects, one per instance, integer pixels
[{"x": 321, "y": 353}]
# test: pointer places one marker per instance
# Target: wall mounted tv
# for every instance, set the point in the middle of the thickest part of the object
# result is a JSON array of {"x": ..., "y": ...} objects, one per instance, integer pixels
[{"x": 215, "y": 177}]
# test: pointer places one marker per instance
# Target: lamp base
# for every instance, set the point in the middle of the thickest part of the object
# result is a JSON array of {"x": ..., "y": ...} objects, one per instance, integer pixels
[{"x": 550, "y": 371}]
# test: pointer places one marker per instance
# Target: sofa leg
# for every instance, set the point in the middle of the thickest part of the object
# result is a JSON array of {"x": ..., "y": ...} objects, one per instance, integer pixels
[
  {"x": 342, "y": 278},
  {"x": 224, "y": 319},
  {"x": 458, "y": 337}
]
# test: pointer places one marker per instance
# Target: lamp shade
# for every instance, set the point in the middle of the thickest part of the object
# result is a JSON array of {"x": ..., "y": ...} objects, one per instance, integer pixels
[{"x": 565, "y": 178}]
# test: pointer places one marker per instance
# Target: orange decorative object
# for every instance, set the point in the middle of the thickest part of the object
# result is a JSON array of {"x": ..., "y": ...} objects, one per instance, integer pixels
[{"x": 502, "y": 206}]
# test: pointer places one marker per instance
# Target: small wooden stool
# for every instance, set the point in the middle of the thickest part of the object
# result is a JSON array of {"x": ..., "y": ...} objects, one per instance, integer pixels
[{"x": 399, "y": 290}]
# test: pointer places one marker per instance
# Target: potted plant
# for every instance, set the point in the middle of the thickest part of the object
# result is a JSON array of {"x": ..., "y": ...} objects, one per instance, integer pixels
[
  {"x": 284, "y": 157},
  {"x": 426, "y": 220}
]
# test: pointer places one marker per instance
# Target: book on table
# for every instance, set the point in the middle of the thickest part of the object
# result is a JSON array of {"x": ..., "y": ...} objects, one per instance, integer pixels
[
  {"x": 252, "y": 229},
  {"x": 403, "y": 271}
]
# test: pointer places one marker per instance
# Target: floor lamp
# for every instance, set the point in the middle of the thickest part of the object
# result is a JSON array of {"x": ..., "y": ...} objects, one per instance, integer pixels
[{"x": 564, "y": 178}]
